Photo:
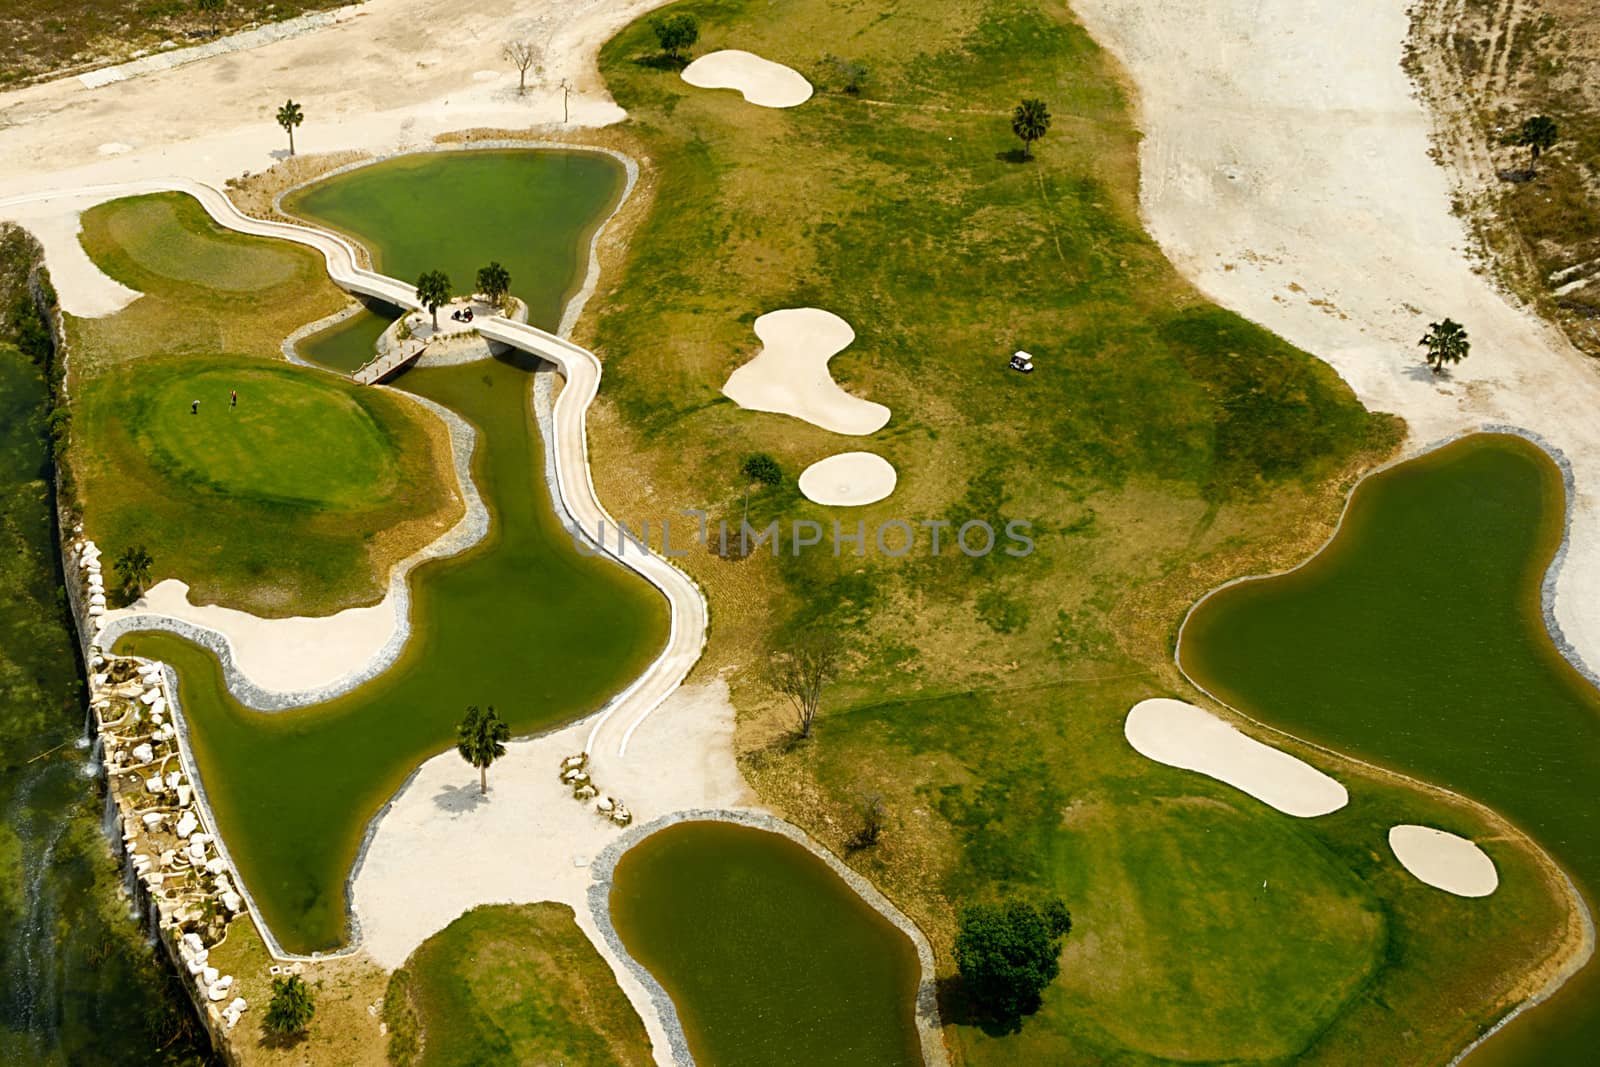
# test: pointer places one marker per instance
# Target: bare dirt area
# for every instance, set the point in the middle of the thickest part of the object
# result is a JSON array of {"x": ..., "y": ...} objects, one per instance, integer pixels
[{"x": 1486, "y": 66}]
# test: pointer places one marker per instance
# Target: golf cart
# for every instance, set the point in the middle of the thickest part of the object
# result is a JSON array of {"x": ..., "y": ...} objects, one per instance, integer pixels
[{"x": 1022, "y": 361}]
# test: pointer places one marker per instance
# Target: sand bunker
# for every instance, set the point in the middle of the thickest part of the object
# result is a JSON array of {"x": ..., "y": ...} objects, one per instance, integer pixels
[
  {"x": 1444, "y": 860},
  {"x": 790, "y": 376},
  {"x": 83, "y": 289},
  {"x": 1182, "y": 735},
  {"x": 848, "y": 479},
  {"x": 761, "y": 81},
  {"x": 283, "y": 655}
]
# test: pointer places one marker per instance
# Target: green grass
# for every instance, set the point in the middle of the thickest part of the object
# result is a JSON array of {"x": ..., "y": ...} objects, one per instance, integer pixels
[
  {"x": 770, "y": 957},
  {"x": 511, "y": 984},
  {"x": 1162, "y": 446},
  {"x": 1432, "y": 655},
  {"x": 296, "y": 440},
  {"x": 297, "y": 501}
]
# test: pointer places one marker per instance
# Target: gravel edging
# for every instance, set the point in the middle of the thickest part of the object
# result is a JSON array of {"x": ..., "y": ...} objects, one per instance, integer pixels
[{"x": 603, "y": 868}]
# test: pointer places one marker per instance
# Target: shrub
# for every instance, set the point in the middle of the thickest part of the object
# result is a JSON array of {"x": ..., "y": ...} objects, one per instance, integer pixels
[{"x": 291, "y": 1009}]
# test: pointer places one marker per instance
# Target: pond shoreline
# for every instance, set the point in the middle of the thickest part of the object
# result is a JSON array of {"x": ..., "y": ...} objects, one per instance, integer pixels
[{"x": 1579, "y": 947}]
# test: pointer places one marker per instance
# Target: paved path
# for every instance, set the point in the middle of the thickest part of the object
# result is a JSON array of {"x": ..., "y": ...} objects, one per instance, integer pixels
[{"x": 574, "y": 481}]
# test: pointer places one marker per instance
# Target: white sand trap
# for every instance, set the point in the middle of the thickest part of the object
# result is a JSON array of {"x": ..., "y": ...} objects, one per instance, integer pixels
[
  {"x": 283, "y": 655},
  {"x": 848, "y": 480},
  {"x": 761, "y": 81},
  {"x": 1182, "y": 735},
  {"x": 1444, "y": 861},
  {"x": 83, "y": 288},
  {"x": 789, "y": 376}
]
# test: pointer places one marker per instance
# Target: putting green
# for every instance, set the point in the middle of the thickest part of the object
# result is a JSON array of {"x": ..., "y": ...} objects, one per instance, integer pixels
[
  {"x": 294, "y": 438},
  {"x": 172, "y": 238}
]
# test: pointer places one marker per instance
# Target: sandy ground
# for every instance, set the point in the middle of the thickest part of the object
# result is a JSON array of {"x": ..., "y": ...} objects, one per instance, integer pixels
[
  {"x": 1285, "y": 170},
  {"x": 281, "y": 655},
  {"x": 761, "y": 81},
  {"x": 84, "y": 289},
  {"x": 848, "y": 480},
  {"x": 790, "y": 373},
  {"x": 443, "y": 848},
  {"x": 1444, "y": 860},
  {"x": 1182, "y": 735}
]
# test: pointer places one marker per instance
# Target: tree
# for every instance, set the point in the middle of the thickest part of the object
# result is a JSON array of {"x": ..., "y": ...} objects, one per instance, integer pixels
[
  {"x": 852, "y": 74},
  {"x": 760, "y": 467},
  {"x": 522, "y": 55},
  {"x": 676, "y": 32},
  {"x": 481, "y": 738},
  {"x": 1030, "y": 121},
  {"x": 1446, "y": 342},
  {"x": 290, "y": 116},
  {"x": 433, "y": 292},
  {"x": 804, "y": 671},
  {"x": 874, "y": 813},
  {"x": 291, "y": 1008},
  {"x": 133, "y": 569},
  {"x": 1536, "y": 134},
  {"x": 494, "y": 281},
  {"x": 1008, "y": 953},
  {"x": 214, "y": 9}
]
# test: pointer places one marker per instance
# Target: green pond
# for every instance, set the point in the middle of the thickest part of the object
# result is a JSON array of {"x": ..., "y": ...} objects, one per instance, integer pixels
[
  {"x": 521, "y": 621},
  {"x": 768, "y": 955},
  {"x": 1416, "y": 640}
]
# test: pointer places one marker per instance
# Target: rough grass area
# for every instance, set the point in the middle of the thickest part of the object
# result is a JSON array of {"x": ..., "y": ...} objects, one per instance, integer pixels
[
  {"x": 511, "y": 984},
  {"x": 346, "y": 1030},
  {"x": 297, "y": 500},
  {"x": 1163, "y": 445},
  {"x": 66, "y": 36}
]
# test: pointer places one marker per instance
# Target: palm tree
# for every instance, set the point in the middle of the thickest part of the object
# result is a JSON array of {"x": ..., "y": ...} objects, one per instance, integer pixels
[
  {"x": 480, "y": 738},
  {"x": 1446, "y": 342},
  {"x": 291, "y": 1008},
  {"x": 433, "y": 292},
  {"x": 133, "y": 568},
  {"x": 290, "y": 116},
  {"x": 1030, "y": 121},
  {"x": 1536, "y": 134},
  {"x": 494, "y": 281}
]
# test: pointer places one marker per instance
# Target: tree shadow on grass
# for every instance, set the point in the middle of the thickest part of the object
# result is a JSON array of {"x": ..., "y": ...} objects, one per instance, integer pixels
[
  {"x": 1014, "y": 155},
  {"x": 956, "y": 1008},
  {"x": 662, "y": 61},
  {"x": 1517, "y": 175}
]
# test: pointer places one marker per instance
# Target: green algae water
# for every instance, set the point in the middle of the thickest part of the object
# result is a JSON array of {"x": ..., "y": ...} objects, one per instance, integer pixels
[
  {"x": 346, "y": 346},
  {"x": 768, "y": 955},
  {"x": 520, "y": 621},
  {"x": 533, "y": 211},
  {"x": 79, "y": 984},
  {"x": 1416, "y": 640}
]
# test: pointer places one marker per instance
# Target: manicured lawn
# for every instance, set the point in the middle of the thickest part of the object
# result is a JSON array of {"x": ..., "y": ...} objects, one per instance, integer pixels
[
  {"x": 511, "y": 984},
  {"x": 1162, "y": 446},
  {"x": 295, "y": 502},
  {"x": 296, "y": 439}
]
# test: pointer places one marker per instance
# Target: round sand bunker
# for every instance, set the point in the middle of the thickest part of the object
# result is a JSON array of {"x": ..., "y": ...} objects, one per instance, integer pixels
[
  {"x": 848, "y": 480},
  {"x": 761, "y": 81},
  {"x": 1444, "y": 860}
]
